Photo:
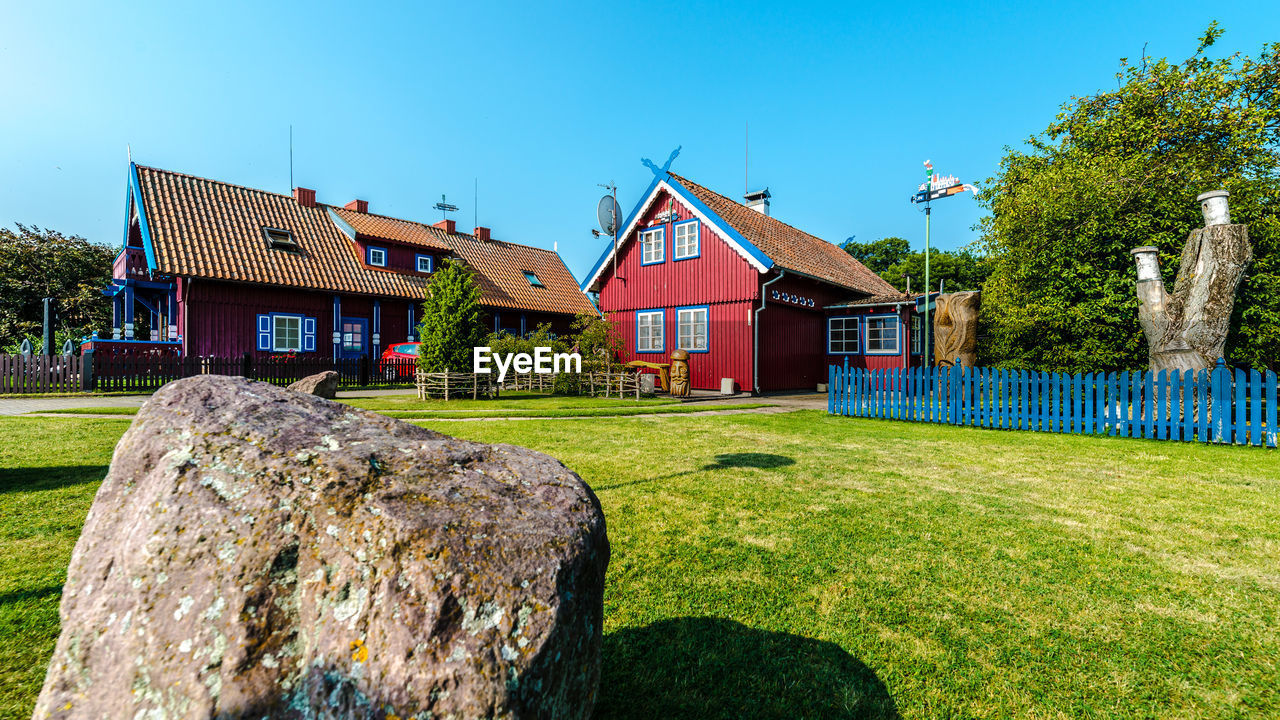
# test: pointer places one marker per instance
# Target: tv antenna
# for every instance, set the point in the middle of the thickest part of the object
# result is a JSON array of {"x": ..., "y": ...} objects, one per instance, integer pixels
[
  {"x": 609, "y": 217},
  {"x": 445, "y": 208}
]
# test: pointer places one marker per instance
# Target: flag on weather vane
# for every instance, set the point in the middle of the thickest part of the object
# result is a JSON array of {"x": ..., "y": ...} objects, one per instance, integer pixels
[{"x": 938, "y": 186}]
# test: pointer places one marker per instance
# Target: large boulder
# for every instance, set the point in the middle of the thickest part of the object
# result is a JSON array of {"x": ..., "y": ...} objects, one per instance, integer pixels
[
  {"x": 255, "y": 552},
  {"x": 322, "y": 384}
]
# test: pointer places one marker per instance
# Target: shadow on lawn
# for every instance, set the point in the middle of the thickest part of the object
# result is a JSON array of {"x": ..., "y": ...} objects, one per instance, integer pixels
[
  {"x": 724, "y": 461},
  {"x": 26, "y": 479},
  {"x": 699, "y": 668}
]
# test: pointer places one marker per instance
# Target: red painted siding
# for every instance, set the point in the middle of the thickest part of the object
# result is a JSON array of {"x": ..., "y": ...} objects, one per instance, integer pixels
[
  {"x": 718, "y": 275},
  {"x": 877, "y": 362},
  {"x": 793, "y": 333},
  {"x": 728, "y": 342}
]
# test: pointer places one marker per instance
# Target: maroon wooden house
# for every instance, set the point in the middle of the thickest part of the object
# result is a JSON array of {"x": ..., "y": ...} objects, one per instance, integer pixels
[
  {"x": 224, "y": 270},
  {"x": 751, "y": 298}
]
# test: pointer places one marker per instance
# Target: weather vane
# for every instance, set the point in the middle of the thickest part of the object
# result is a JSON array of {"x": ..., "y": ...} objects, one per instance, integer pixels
[{"x": 445, "y": 207}]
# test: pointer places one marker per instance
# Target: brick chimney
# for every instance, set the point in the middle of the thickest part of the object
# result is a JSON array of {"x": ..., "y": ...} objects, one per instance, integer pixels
[
  {"x": 481, "y": 233},
  {"x": 446, "y": 225},
  {"x": 304, "y": 196},
  {"x": 360, "y": 206}
]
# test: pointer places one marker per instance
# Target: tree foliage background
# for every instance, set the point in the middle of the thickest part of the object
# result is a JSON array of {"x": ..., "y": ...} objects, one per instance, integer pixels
[
  {"x": 1118, "y": 170},
  {"x": 37, "y": 263},
  {"x": 891, "y": 258},
  {"x": 452, "y": 320}
]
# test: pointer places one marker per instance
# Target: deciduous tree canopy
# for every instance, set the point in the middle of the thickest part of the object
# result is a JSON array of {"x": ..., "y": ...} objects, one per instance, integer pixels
[
  {"x": 1118, "y": 170},
  {"x": 891, "y": 258},
  {"x": 452, "y": 320},
  {"x": 35, "y": 264}
]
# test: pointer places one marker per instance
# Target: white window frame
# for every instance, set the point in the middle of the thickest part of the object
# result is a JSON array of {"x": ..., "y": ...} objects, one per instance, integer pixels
[
  {"x": 917, "y": 334},
  {"x": 692, "y": 241},
  {"x": 380, "y": 251},
  {"x": 653, "y": 239},
  {"x": 430, "y": 263},
  {"x": 882, "y": 338},
  {"x": 844, "y": 334},
  {"x": 650, "y": 341},
  {"x": 275, "y": 332},
  {"x": 692, "y": 325}
]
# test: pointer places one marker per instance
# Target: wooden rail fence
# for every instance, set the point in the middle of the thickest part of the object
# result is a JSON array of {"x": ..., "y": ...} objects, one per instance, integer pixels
[{"x": 1223, "y": 405}]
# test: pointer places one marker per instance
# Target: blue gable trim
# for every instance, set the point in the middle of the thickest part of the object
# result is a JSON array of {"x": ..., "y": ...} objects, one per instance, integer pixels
[
  {"x": 756, "y": 253},
  {"x": 604, "y": 257},
  {"x": 750, "y": 249},
  {"x": 135, "y": 187}
]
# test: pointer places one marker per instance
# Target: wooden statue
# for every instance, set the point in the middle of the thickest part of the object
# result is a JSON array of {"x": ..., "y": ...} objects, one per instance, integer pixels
[
  {"x": 1187, "y": 330},
  {"x": 955, "y": 329},
  {"x": 680, "y": 373}
]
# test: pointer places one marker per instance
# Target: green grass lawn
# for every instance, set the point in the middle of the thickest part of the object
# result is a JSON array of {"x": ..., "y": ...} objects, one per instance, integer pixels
[
  {"x": 496, "y": 409},
  {"x": 522, "y": 400},
  {"x": 800, "y": 565}
]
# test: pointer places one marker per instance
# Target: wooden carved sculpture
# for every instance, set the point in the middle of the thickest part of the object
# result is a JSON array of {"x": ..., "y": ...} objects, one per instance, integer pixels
[
  {"x": 680, "y": 373},
  {"x": 955, "y": 329},
  {"x": 1187, "y": 330}
]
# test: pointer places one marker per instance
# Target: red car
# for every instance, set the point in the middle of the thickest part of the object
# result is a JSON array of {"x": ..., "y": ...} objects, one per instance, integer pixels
[{"x": 399, "y": 361}]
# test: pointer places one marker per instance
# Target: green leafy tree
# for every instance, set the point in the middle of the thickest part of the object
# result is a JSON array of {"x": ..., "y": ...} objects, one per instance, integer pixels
[
  {"x": 1118, "y": 170},
  {"x": 598, "y": 340},
  {"x": 891, "y": 258},
  {"x": 452, "y": 320},
  {"x": 35, "y": 264}
]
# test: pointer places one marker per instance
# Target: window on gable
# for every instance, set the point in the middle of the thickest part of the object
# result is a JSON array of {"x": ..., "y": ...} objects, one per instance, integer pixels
[
  {"x": 649, "y": 332},
  {"x": 691, "y": 329},
  {"x": 686, "y": 241},
  {"x": 279, "y": 239},
  {"x": 286, "y": 333},
  {"x": 533, "y": 279},
  {"x": 424, "y": 263},
  {"x": 882, "y": 335},
  {"x": 377, "y": 257},
  {"x": 653, "y": 244},
  {"x": 842, "y": 335}
]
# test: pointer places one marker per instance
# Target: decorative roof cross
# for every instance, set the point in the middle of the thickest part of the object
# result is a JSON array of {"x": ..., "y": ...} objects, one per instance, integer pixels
[{"x": 660, "y": 171}]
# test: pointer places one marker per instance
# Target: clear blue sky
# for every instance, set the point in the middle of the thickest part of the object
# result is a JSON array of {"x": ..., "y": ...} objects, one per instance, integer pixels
[{"x": 541, "y": 101}]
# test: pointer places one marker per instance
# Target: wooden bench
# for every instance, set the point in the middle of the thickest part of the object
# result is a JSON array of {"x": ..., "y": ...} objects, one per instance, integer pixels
[{"x": 662, "y": 368}]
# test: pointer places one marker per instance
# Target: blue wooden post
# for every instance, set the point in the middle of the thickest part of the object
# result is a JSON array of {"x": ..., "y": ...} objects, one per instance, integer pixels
[
  {"x": 1148, "y": 407},
  {"x": 1242, "y": 437},
  {"x": 1162, "y": 381},
  {"x": 1175, "y": 406},
  {"x": 1219, "y": 399},
  {"x": 1090, "y": 395},
  {"x": 1202, "y": 411},
  {"x": 1273, "y": 427},
  {"x": 1024, "y": 382},
  {"x": 1255, "y": 407},
  {"x": 1135, "y": 400},
  {"x": 1122, "y": 403},
  {"x": 1189, "y": 405}
]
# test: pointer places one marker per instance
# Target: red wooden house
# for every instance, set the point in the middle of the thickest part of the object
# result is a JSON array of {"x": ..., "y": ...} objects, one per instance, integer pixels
[
  {"x": 744, "y": 293},
  {"x": 224, "y": 270}
]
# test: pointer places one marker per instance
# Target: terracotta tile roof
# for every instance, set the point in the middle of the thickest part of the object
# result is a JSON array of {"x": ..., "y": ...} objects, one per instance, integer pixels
[
  {"x": 789, "y": 247},
  {"x": 205, "y": 228},
  {"x": 500, "y": 268},
  {"x": 396, "y": 230}
]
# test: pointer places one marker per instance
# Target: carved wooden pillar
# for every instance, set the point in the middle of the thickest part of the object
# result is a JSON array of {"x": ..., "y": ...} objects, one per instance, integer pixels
[
  {"x": 1187, "y": 330},
  {"x": 680, "y": 373},
  {"x": 955, "y": 328}
]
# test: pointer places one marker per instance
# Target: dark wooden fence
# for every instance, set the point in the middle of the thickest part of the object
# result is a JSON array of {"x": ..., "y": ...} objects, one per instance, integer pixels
[
  {"x": 77, "y": 373},
  {"x": 1223, "y": 405}
]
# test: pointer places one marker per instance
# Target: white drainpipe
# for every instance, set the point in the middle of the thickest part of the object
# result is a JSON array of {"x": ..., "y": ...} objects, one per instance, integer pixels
[{"x": 755, "y": 335}]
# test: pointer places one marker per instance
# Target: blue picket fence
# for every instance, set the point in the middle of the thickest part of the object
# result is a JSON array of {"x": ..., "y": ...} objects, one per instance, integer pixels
[{"x": 1222, "y": 405}]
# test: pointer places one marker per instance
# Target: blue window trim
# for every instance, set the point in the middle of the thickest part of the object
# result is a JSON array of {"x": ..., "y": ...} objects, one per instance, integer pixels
[
  {"x": 640, "y": 236},
  {"x": 707, "y": 308},
  {"x": 866, "y": 327},
  {"x": 860, "y": 326},
  {"x": 368, "y": 256},
  {"x": 663, "y": 314},
  {"x": 303, "y": 335},
  {"x": 417, "y": 264},
  {"x": 915, "y": 338},
  {"x": 697, "y": 236}
]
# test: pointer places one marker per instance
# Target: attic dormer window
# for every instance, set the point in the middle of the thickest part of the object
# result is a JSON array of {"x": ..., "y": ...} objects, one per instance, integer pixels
[
  {"x": 279, "y": 239},
  {"x": 533, "y": 279}
]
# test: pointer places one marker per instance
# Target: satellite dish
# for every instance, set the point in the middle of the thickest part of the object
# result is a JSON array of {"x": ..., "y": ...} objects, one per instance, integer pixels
[{"x": 607, "y": 214}]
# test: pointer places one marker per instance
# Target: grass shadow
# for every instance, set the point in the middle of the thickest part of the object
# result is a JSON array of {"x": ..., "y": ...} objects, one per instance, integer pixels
[
  {"x": 31, "y": 594},
  {"x": 703, "y": 668},
  {"x": 33, "y": 479},
  {"x": 760, "y": 461}
]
